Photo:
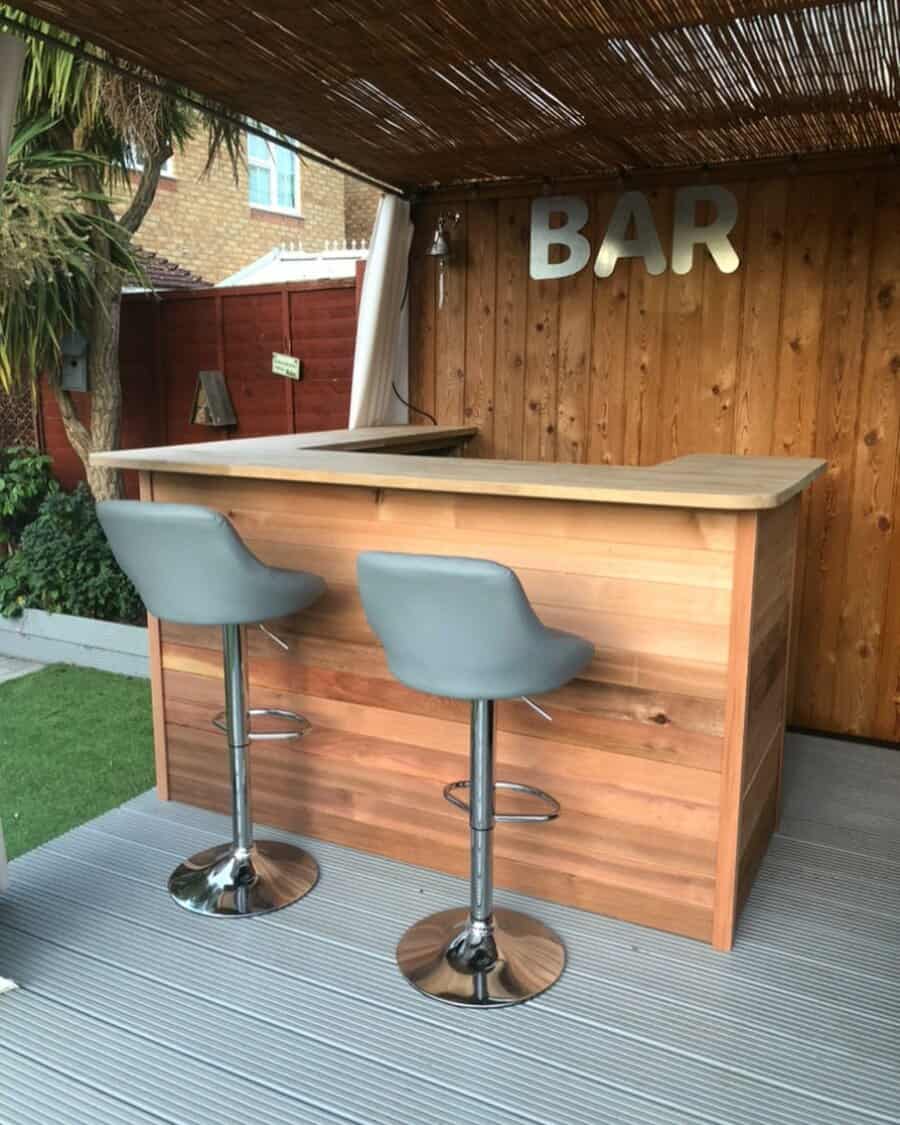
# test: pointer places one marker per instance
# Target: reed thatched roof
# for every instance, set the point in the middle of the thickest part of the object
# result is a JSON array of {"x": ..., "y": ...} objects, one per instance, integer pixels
[{"x": 418, "y": 92}]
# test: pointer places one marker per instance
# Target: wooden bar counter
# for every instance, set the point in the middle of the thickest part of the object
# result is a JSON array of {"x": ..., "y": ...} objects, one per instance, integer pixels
[{"x": 666, "y": 755}]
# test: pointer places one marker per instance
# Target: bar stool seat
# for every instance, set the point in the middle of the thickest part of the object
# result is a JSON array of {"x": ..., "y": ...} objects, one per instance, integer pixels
[
  {"x": 191, "y": 567},
  {"x": 464, "y": 628}
]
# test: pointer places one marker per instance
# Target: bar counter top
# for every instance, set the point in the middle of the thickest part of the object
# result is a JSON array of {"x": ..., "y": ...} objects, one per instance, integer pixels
[{"x": 346, "y": 457}]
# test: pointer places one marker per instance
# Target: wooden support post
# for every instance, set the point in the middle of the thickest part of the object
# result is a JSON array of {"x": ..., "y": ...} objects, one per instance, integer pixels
[{"x": 157, "y": 695}]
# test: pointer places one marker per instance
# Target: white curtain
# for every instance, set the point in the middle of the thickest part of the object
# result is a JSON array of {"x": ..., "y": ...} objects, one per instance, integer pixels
[
  {"x": 12, "y": 56},
  {"x": 382, "y": 329}
]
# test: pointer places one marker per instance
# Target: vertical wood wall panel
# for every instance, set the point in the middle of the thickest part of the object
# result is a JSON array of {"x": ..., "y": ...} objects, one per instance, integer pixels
[
  {"x": 828, "y": 577},
  {"x": 680, "y": 382},
  {"x": 870, "y": 651},
  {"x": 609, "y": 342},
  {"x": 450, "y": 343},
  {"x": 512, "y": 282},
  {"x": 718, "y": 360},
  {"x": 642, "y": 405},
  {"x": 481, "y": 317},
  {"x": 541, "y": 370},
  {"x": 799, "y": 356},
  {"x": 573, "y": 408},
  {"x": 763, "y": 269},
  {"x": 797, "y": 353}
]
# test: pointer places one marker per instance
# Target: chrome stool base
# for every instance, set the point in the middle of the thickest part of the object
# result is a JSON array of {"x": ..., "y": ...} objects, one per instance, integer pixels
[
  {"x": 225, "y": 883},
  {"x": 474, "y": 965}
]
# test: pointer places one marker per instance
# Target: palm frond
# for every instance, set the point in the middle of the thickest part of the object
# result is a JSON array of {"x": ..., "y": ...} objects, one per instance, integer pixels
[
  {"x": 48, "y": 253},
  {"x": 117, "y": 115},
  {"x": 81, "y": 125}
]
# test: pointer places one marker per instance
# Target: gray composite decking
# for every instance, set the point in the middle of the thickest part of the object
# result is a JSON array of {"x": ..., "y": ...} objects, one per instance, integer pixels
[{"x": 131, "y": 1010}]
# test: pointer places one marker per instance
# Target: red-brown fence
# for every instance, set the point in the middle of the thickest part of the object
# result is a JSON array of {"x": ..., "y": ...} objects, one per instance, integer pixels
[{"x": 166, "y": 339}]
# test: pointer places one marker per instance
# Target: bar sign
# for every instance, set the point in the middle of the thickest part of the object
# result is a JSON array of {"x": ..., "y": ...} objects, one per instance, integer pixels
[{"x": 287, "y": 365}]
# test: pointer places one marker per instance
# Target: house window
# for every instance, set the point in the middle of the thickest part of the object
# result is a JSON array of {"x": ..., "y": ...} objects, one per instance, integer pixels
[
  {"x": 135, "y": 164},
  {"x": 274, "y": 176}
]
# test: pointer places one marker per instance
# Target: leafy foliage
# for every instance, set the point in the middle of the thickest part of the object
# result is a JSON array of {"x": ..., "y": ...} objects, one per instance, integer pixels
[
  {"x": 115, "y": 114},
  {"x": 64, "y": 565},
  {"x": 25, "y": 480},
  {"x": 74, "y": 200},
  {"x": 50, "y": 231}
]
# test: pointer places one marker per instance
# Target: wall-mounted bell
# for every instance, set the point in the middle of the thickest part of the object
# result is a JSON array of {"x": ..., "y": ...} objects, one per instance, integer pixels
[{"x": 440, "y": 248}]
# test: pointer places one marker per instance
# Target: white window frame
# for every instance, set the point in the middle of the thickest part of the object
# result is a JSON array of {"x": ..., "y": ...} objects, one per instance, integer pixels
[
  {"x": 271, "y": 167},
  {"x": 134, "y": 164}
]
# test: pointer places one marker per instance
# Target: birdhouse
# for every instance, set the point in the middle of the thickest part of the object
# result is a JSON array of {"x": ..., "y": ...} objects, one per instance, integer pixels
[{"x": 212, "y": 403}]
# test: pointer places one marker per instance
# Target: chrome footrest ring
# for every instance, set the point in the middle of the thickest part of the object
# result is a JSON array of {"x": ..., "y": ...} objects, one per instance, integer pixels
[
  {"x": 508, "y": 818},
  {"x": 304, "y": 726}
]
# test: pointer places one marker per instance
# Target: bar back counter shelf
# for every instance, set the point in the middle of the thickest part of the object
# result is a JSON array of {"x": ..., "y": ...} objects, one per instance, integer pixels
[{"x": 666, "y": 755}]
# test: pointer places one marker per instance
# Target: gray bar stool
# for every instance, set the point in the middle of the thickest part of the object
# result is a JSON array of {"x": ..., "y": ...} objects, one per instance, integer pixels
[
  {"x": 190, "y": 566},
  {"x": 464, "y": 628}
]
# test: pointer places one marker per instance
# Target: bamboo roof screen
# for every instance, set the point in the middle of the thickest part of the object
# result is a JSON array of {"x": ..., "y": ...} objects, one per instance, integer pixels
[{"x": 427, "y": 92}]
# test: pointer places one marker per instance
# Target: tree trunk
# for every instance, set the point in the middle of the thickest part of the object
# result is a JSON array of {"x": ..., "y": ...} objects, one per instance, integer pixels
[
  {"x": 104, "y": 385},
  {"x": 103, "y": 319}
]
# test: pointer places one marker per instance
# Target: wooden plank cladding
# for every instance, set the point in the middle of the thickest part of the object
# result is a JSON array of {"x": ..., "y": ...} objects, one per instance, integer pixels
[
  {"x": 795, "y": 354},
  {"x": 641, "y": 747}
]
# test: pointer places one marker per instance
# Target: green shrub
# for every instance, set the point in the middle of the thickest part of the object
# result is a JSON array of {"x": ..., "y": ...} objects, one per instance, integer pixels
[
  {"x": 64, "y": 565},
  {"x": 25, "y": 480}
]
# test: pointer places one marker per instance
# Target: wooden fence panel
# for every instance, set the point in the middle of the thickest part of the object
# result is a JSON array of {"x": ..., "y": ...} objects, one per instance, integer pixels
[
  {"x": 253, "y": 329},
  {"x": 189, "y": 339},
  {"x": 167, "y": 339},
  {"x": 323, "y": 334}
]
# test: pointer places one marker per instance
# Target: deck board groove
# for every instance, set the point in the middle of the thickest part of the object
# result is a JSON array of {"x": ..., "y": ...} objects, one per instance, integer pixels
[
  {"x": 28, "y": 1098},
  {"x": 383, "y": 936},
  {"x": 797, "y": 1026},
  {"x": 319, "y": 920},
  {"x": 626, "y": 1019}
]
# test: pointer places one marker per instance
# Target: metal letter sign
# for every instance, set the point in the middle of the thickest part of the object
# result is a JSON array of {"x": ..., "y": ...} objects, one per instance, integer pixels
[
  {"x": 543, "y": 236},
  {"x": 714, "y": 236},
  {"x": 633, "y": 205},
  {"x": 632, "y": 215}
]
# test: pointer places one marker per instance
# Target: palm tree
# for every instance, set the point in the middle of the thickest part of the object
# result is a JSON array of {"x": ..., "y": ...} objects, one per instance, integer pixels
[
  {"x": 47, "y": 236},
  {"x": 82, "y": 131}
]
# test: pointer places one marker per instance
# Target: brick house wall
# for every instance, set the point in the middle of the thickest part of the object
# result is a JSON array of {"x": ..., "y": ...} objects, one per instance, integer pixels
[
  {"x": 206, "y": 223},
  {"x": 361, "y": 203}
]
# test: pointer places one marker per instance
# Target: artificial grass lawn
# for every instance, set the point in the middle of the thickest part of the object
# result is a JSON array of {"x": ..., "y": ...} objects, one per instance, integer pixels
[{"x": 74, "y": 742}]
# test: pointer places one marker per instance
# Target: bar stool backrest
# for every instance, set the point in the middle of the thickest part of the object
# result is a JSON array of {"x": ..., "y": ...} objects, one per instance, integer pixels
[
  {"x": 190, "y": 566},
  {"x": 456, "y": 627}
]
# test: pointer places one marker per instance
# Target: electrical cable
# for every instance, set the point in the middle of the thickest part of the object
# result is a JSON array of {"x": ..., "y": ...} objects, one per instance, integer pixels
[{"x": 409, "y": 405}]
